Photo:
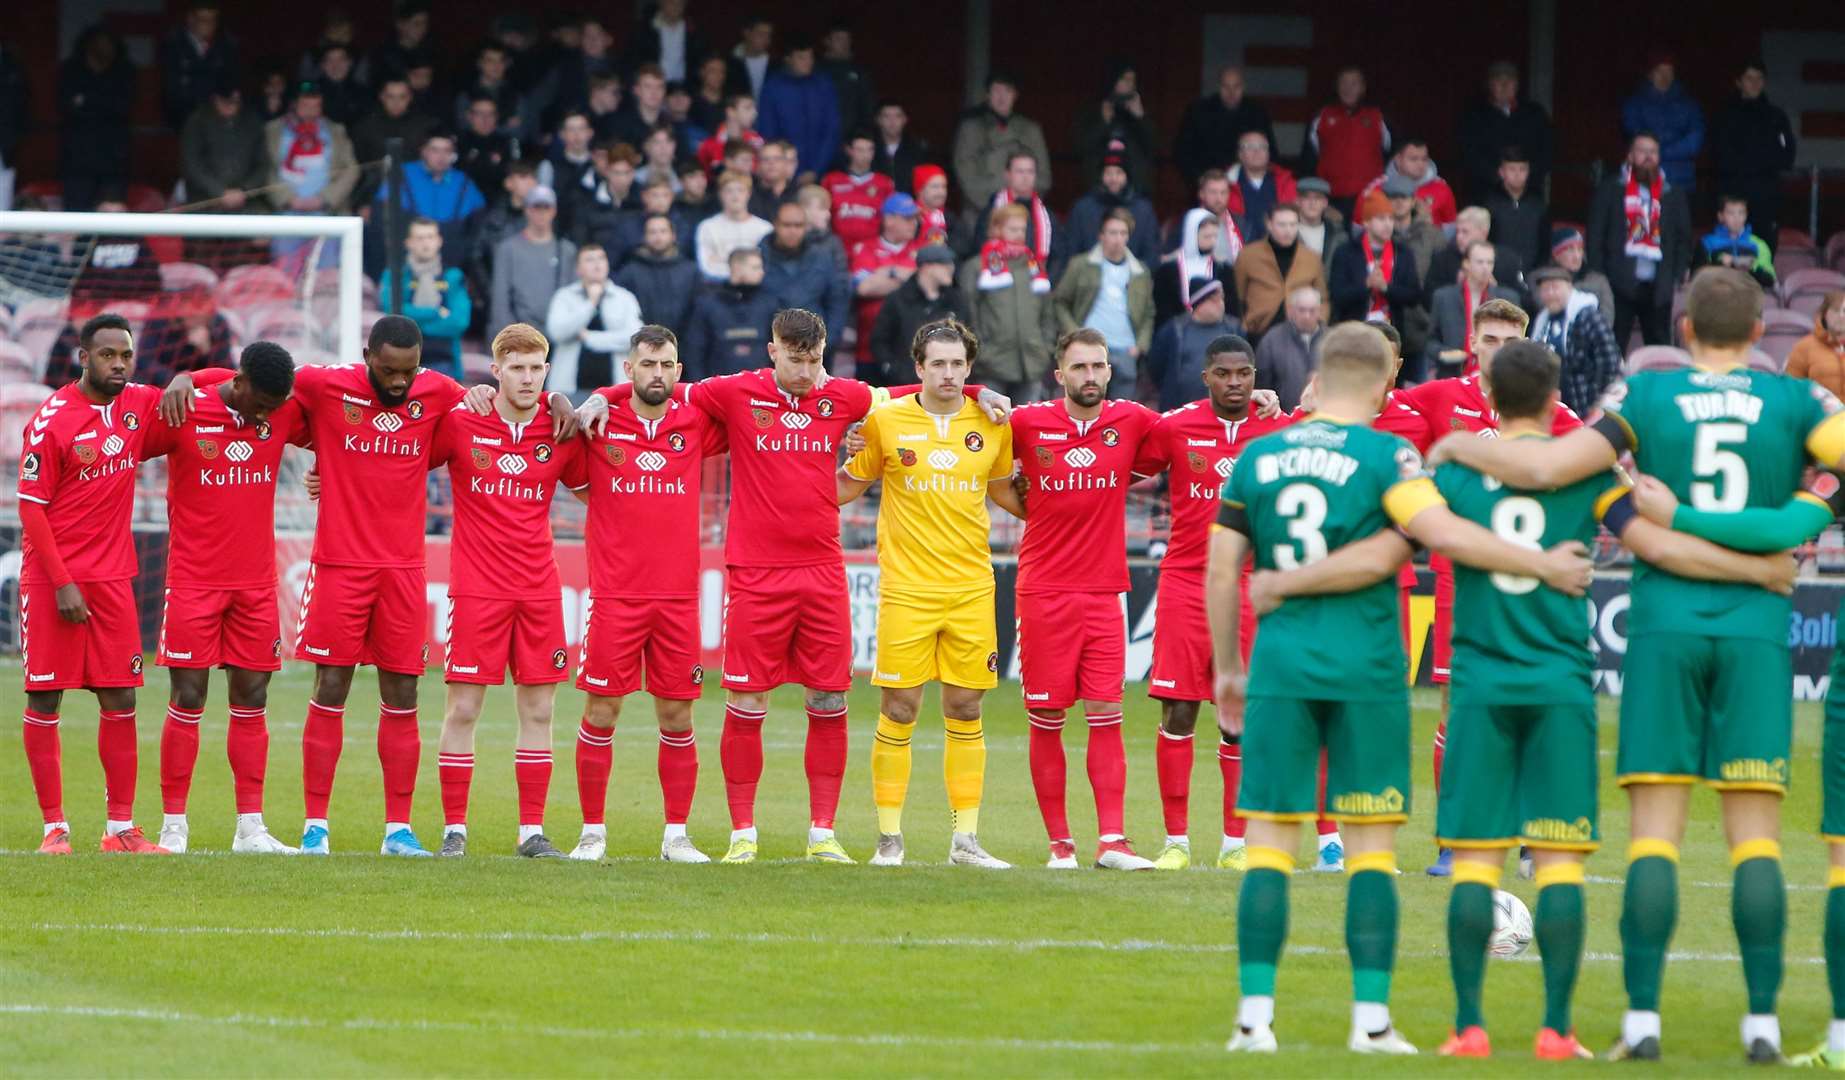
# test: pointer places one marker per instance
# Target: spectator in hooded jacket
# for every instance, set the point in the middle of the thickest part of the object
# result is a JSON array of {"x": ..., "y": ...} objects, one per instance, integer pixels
[
  {"x": 1753, "y": 145},
  {"x": 502, "y": 219},
  {"x": 1111, "y": 291},
  {"x": 1498, "y": 119},
  {"x": 1196, "y": 259},
  {"x": 1569, "y": 250},
  {"x": 195, "y": 59},
  {"x": 1734, "y": 245},
  {"x": 730, "y": 322},
  {"x": 1212, "y": 130},
  {"x": 800, "y": 273},
  {"x": 96, "y": 94},
  {"x": 1116, "y": 126},
  {"x": 221, "y": 151},
  {"x": 1640, "y": 236},
  {"x": 589, "y": 323},
  {"x": 1662, "y": 108},
  {"x": 1570, "y": 321},
  {"x": 1214, "y": 198},
  {"x": 986, "y": 138},
  {"x": 1346, "y": 141},
  {"x": 663, "y": 281},
  {"x": 930, "y": 294},
  {"x": 800, "y": 105},
  {"x": 898, "y": 153},
  {"x": 1115, "y": 192},
  {"x": 1411, "y": 162},
  {"x": 435, "y": 189},
  {"x": 1521, "y": 218},
  {"x": 484, "y": 150},
  {"x": 1257, "y": 185}
]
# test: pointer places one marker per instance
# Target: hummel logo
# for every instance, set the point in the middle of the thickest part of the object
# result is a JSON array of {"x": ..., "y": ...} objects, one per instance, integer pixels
[
  {"x": 385, "y": 421},
  {"x": 1201, "y": 442},
  {"x": 593, "y": 681},
  {"x": 765, "y": 404},
  {"x": 1037, "y": 697},
  {"x": 179, "y": 656},
  {"x": 85, "y": 435},
  {"x": 355, "y": 400},
  {"x": 650, "y": 460},
  {"x": 913, "y": 438},
  {"x": 312, "y": 651},
  {"x": 511, "y": 464},
  {"x": 1054, "y": 436},
  {"x": 1164, "y": 684},
  {"x": 885, "y": 675},
  {"x": 46, "y": 677},
  {"x": 1080, "y": 458},
  {"x": 623, "y": 436},
  {"x": 728, "y": 677},
  {"x": 797, "y": 421},
  {"x": 459, "y": 670},
  {"x": 943, "y": 459},
  {"x": 112, "y": 445},
  {"x": 482, "y": 440},
  {"x": 238, "y": 451},
  {"x": 211, "y": 429},
  {"x": 1224, "y": 466}
]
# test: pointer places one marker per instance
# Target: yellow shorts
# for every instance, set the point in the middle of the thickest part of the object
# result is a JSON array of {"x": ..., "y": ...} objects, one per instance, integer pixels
[{"x": 924, "y": 637}]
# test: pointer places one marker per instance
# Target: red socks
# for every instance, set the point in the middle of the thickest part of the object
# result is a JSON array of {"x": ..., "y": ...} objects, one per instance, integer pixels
[
  {"x": 740, "y": 753},
  {"x": 678, "y": 774},
  {"x": 1230, "y": 763},
  {"x": 400, "y": 752},
  {"x": 532, "y": 773},
  {"x": 45, "y": 759},
  {"x": 115, "y": 744},
  {"x": 826, "y": 764},
  {"x": 1324, "y": 824},
  {"x": 595, "y": 760},
  {"x": 179, "y": 755},
  {"x": 1441, "y": 747},
  {"x": 1108, "y": 772},
  {"x": 455, "y": 774},
  {"x": 321, "y": 740},
  {"x": 1172, "y": 760},
  {"x": 246, "y": 743},
  {"x": 1048, "y": 773}
]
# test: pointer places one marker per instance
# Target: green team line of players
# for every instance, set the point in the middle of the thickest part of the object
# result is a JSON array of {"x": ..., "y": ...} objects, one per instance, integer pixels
[{"x": 1711, "y": 706}]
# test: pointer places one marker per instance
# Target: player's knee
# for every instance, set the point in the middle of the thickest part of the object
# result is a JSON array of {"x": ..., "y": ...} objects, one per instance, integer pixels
[
  {"x": 602, "y": 712},
  {"x": 900, "y": 708},
  {"x": 188, "y": 694},
  {"x": 674, "y": 716},
  {"x": 755, "y": 703},
  {"x": 1179, "y": 717},
  {"x": 961, "y": 708},
  {"x": 825, "y": 701},
  {"x": 333, "y": 684},
  {"x": 116, "y": 698},
  {"x": 45, "y": 702}
]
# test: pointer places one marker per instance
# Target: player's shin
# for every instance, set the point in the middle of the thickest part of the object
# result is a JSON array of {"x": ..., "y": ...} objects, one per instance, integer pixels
[
  {"x": 321, "y": 740},
  {"x": 1561, "y": 923},
  {"x": 595, "y": 760},
  {"x": 1758, "y": 909},
  {"x": 400, "y": 752},
  {"x": 678, "y": 767},
  {"x": 890, "y": 771},
  {"x": 1262, "y": 922},
  {"x": 45, "y": 760},
  {"x": 740, "y": 754},
  {"x": 116, "y": 746},
  {"x": 964, "y": 771},
  {"x": 1172, "y": 761},
  {"x": 1835, "y": 947},
  {"x": 1049, "y": 778},
  {"x": 179, "y": 757},
  {"x": 1470, "y": 925},
  {"x": 1649, "y": 911},
  {"x": 1371, "y": 933},
  {"x": 1230, "y": 766},
  {"x": 825, "y": 759},
  {"x": 1107, "y": 766},
  {"x": 532, "y": 758},
  {"x": 246, "y": 745}
]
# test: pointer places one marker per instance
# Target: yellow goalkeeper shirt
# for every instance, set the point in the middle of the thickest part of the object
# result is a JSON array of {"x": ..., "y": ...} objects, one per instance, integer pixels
[{"x": 932, "y": 523}]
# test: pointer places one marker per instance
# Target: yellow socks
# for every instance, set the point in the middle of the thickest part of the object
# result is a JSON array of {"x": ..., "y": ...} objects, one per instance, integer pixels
[
  {"x": 964, "y": 769},
  {"x": 890, "y": 772}
]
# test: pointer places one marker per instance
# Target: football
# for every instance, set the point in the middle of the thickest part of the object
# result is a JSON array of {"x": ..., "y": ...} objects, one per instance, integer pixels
[{"x": 1511, "y": 926}]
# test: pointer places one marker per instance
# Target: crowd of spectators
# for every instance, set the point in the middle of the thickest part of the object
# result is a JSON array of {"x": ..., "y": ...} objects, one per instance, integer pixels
[{"x": 593, "y": 176}]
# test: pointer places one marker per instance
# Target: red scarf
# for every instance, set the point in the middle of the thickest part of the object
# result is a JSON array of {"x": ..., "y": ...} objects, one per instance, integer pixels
[
  {"x": 996, "y": 257},
  {"x": 1040, "y": 221},
  {"x": 306, "y": 144},
  {"x": 1386, "y": 260},
  {"x": 1643, "y": 216}
]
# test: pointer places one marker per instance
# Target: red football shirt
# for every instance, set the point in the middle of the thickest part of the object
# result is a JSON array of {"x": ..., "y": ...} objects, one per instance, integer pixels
[
  {"x": 858, "y": 204},
  {"x": 644, "y": 500},
  {"x": 221, "y": 477},
  {"x": 1447, "y": 405},
  {"x": 373, "y": 463},
  {"x": 503, "y": 475},
  {"x": 1076, "y": 522},
  {"x": 1198, "y": 446},
  {"x": 78, "y": 461},
  {"x": 868, "y": 258}
]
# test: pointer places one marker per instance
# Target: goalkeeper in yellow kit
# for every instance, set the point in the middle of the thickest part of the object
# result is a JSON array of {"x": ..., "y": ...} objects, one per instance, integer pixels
[{"x": 941, "y": 459}]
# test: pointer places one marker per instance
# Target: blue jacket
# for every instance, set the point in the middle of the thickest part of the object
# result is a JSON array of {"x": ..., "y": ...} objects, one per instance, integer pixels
[
  {"x": 809, "y": 279},
  {"x": 1176, "y": 360},
  {"x": 1084, "y": 225},
  {"x": 806, "y": 113},
  {"x": 441, "y": 333},
  {"x": 1678, "y": 122},
  {"x": 453, "y": 198},
  {"x": 665, "y": 287},
  {"x": 729, "y": 331}
]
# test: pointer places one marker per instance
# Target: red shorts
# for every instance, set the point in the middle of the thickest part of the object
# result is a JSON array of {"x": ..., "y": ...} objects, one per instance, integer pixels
[
  {"x": 1444, "y": 617},
  {"x": 787, "y": 624},
  {"x": 354, "y": 615},
  {"x": 208, "y": 628},
  {"x": 1182, "y": 665},
  {"x": 486, "y": 634},
  {"x": 631, "y": 635},
  {"x": 1072, "y": 647},
  {"x": 103, "y": 652}
]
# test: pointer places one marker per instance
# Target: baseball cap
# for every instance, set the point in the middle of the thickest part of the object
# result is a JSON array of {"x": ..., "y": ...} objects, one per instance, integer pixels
[
  {"x": 936, "y": 253},
  {"x": 1313, "y": 184},
  {"x": 899, "y": 204},
  {"x": 541, "y": 196},
  {"x": 1400, "y": 187},
  {"x": 308, "y": 88},
  {"x": 1549, "y": 273}
]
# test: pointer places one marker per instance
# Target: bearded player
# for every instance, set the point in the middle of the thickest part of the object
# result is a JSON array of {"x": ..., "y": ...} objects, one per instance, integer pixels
[
  {"x": 220, "y": 608},
  {"x": 940, "y": 459},
  {"x": 787, "y": 618},
  {"x": 645, "y": 469},
  {"x": 78, "y": 624},
  {"x": 505, "y": 605}
]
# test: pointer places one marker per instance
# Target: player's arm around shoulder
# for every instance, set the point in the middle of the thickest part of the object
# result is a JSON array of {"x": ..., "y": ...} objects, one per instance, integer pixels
[
  {"x": 1826, "y": 435},
  {"x": 1418, "y": 507},
  {"x": 1646, "y": 520},
  {"x": 865, "y": 466}
]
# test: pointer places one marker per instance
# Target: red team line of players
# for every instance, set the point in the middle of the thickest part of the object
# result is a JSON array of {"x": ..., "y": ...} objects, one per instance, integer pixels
[{"x": 378, "y": 428}]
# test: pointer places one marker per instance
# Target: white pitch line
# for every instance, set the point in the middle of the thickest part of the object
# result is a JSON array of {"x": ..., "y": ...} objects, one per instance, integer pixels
[
  {"x": 591, "y": 937},
  {"x": 901, "y": 1040}
]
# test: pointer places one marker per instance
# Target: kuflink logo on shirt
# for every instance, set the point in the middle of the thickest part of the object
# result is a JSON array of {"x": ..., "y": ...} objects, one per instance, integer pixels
[
  {"x": 796, "y": 420},
  {"x": 511, "y": 464},
  {"x": 1079, "y": 458},
  {"x": 651, "y": 460},
  {"x": 943, "y": 459},
  {"x": 238, "y": 451},
  {"x": 387, "y": 422},
  {"x": 112, "y": 445}
]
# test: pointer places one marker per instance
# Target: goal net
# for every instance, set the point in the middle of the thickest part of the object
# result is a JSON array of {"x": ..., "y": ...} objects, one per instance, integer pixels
[{"x": 195, "y": 288}]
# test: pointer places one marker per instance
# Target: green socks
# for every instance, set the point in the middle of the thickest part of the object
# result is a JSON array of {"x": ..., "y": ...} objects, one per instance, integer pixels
[
  {"x": 1758, "y": 908},
  {"x": 1649, "y": 911},
  {"x": 1262, "y": 919},
  {"x": 1561, "y": 923},
  {"x": 1371, "y": 924},
  {"x": 1470, "y": 925},
  {"x": 1835, "y": 940}
]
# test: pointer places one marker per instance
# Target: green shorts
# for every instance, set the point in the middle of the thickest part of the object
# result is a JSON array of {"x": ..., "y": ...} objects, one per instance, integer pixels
[
  {"x": 1516, "y": 774},
  {"x": 1367, "y": 759},
  {"x": 1696, "y": 708},
  {"x": 1832, "y": 757}
]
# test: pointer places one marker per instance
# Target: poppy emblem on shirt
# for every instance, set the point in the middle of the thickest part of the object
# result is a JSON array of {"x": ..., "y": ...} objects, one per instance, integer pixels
[
  {"x": 825, "y": 408},
  {"x": 558, "y": 659},
  {"x": 1110, "y": 436},
  {"x": 351, "y": 412},
  {"x": 675, "y": 442},
  {"x": 542, "y": 452},
  {"x": 28, "y": 467},
  {"x": 974, "y": 442},
  {"x": 208, "y": 449},
  {"x": 616, "y": 457},
  {"x": 415, "y": 410},
  {"x": 762, "y": 417},
  {"x": 263, "y": 431},
  {"x": 1044, "y": 456},
  {"x": 131, "y": 421},
  {"x": 906, "y": 458},
  {"x": 698, "y": 674},
  {"x": 86, "y": 454},
  {"x": 1196, "y": 461},
  {"x": 481, "y": 460}
]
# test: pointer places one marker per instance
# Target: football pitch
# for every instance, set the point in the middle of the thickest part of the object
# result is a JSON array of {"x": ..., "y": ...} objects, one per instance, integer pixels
[{"x": 212, "y": 964}]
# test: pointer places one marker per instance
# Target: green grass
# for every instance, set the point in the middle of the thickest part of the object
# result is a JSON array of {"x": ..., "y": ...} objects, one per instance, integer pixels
[{"x": 215, "y": 965}]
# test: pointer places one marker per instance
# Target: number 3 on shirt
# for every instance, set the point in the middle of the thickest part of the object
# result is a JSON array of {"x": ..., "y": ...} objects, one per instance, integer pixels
[
  {"x": 1518, "y": 520},
  {"x": 1710, "y": 461},
  {"x": 1305, "y": 505}
]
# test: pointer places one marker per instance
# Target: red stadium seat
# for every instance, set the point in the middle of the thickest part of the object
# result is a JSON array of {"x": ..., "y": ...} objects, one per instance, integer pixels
[
  {"x": 1657, "y": 358},
  {"x": 175, "y": 276}
]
